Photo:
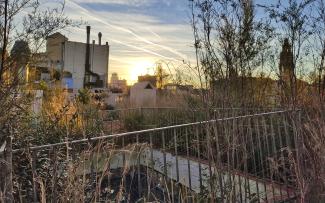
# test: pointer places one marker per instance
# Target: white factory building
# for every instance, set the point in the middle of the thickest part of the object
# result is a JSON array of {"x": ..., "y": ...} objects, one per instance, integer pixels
[{"x": 79, "y": 64}]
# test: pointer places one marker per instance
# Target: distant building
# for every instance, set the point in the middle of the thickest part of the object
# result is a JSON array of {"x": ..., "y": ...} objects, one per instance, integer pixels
[
  {"x": 287, "y": 80},
  {"x": 143, "y": 94},
  {"x": 148, "y": 78},
  {"x": 117, "y": 85},
  {"x": 76, "y": 64},
  {"x": 178, "y": 88}
]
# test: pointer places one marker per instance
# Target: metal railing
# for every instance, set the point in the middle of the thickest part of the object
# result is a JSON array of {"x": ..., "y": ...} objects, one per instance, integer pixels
[
  {"x": 237, "y": 159},
  {"x": 133, "y": 119}
]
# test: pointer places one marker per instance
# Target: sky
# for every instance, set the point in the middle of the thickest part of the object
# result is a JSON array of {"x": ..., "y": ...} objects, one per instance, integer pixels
[{"x": 140, "y": 32}]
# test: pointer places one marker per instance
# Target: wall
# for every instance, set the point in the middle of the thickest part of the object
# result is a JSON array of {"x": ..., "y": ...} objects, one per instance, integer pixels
[
  {"x": 54, "y": 49},
  {"x": 74, "y": 61},
  {"x": 141, "y": 97}
]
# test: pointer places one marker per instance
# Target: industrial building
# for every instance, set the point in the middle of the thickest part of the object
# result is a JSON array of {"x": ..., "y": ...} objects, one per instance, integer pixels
[{"x": 76, "y": 64}]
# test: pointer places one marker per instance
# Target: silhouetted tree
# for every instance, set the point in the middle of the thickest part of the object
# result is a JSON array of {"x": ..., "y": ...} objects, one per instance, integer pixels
[
  {"x": 293, "y": 20},
  {"x": 229, "y": 40}
]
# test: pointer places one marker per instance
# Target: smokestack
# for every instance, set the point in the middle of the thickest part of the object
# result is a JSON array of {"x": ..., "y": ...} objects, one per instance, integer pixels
[
  {"x": 88, "y": 34},
  {"x": 100, "y": 38},
  {"x": 87, "y": 64}
]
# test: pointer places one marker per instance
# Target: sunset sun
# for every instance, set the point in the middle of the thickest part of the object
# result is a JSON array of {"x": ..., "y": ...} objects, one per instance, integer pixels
[{"x": 140, "y": 68}]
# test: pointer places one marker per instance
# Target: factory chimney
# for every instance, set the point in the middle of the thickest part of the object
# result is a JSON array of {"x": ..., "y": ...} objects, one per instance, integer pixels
[
  {"x": 87, "y": 64},
  {"x": 100, "y": 38}
]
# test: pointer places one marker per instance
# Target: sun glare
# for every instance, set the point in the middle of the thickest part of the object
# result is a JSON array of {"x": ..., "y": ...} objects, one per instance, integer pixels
[{"x": 140, "y": 68}]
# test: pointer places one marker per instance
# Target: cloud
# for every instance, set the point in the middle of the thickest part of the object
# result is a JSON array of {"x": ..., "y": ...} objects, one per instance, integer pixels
[
  {"x": 129, "y": 31},
  {"x": 134, "y": 3},
  {"x": 142, "y": 35}
]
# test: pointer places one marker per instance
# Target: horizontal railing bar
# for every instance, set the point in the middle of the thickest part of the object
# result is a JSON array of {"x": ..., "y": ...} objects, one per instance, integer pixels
[
  {"x": 190, "y": 109},
  {"x": 220, "y": 108},
  {"x": 145, "y": 131}
]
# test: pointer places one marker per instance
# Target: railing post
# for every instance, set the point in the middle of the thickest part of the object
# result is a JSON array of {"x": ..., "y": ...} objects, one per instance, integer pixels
[
  {"x": 176, "y": 154},
  {"x": 177, "y": 166},
  {"x": 150, "y": 166},
  {"x": 138, "y": 168},
  {"x": 298, "y": 142},
  {"x": 124, "y": 165},
  {"x": 288, "y": 146},
  {"x": 274, "y": 151},
  {"x": 244, "y": 133},
  {"x": 164, "y": 151},
  {"x": 260, "y": 153},
  {"x": 210, "y": 158},
  {"x": 188, "y": 159},
  {"x": 199, "y": 156},
  {"x": 253, "y": 154},
  {"x": 218, "y": 165}
]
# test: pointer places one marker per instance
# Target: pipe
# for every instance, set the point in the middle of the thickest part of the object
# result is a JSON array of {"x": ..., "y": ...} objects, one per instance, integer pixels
[
  {"x": 88, "y": 72},
  {"x": 100, "y": 38},
  {"x": 87, "y": 64}
]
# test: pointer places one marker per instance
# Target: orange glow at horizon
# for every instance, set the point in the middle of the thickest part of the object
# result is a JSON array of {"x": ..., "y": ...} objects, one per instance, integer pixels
[{"x": 138, "y": 68}]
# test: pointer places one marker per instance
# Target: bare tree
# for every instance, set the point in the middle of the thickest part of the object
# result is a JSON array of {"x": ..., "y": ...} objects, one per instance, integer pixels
[
  {"x": 293, "y": 20},
  {"x": 38, "y": 22},
  {"x": 229, "y": 42},
  {"x": 319, "y": 46}
]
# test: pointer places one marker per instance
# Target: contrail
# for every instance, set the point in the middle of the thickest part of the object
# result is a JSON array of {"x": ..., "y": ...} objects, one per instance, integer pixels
[
  {"x": 182, "y": 56},
  {"x": 152, "y": 32},
  {"x": 140, "y": 48}
]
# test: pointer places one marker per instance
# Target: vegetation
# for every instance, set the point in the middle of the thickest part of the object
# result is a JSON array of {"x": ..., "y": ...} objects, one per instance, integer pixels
[{"x": 237, "y": 65}]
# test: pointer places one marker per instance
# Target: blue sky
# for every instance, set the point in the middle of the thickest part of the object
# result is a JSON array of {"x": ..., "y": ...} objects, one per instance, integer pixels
[{"x": 140, "y": 32}]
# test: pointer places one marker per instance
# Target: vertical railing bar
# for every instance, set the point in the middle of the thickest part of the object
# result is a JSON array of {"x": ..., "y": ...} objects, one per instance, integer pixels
[
  {"x": 281, "y": 149},
  {"x": 188, "y": 159},
  {"x": 273, "y": 153},
  {"x": 123, "y": 145},
  {"x": 228, "y": 145},
  {"x": 138, "y": 168},
  {"x": 54, "y": 176},
  {"x": 268, "y": 173},
  {"x": 237, "y": 158},
  {"x": 176, "y": 154},
  {"x": 235, "y": 145},
  {"x": 260, "y": 152},
  {"x": 257, "y": 128},
  {"x": 124, "y": 163},
  {"x": 287, "y": 138},
  {"x": 199, "y": 155},
  {"x": 209, "y": 151},
  {"x": 298, "y": 141},
  {"x": 288, "y": 145},
  {"x": 111, "y": 121},
  {"x": 245, "y": 161},
  {"x": 164, "y": 151},
  {"x": 152, "y": 164},
  {"x": 218, "y": 161},
  {"x": 233, "y": 152},
  {"x": 34, "y": 175},
  {"x": 254, "y": 158}
]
